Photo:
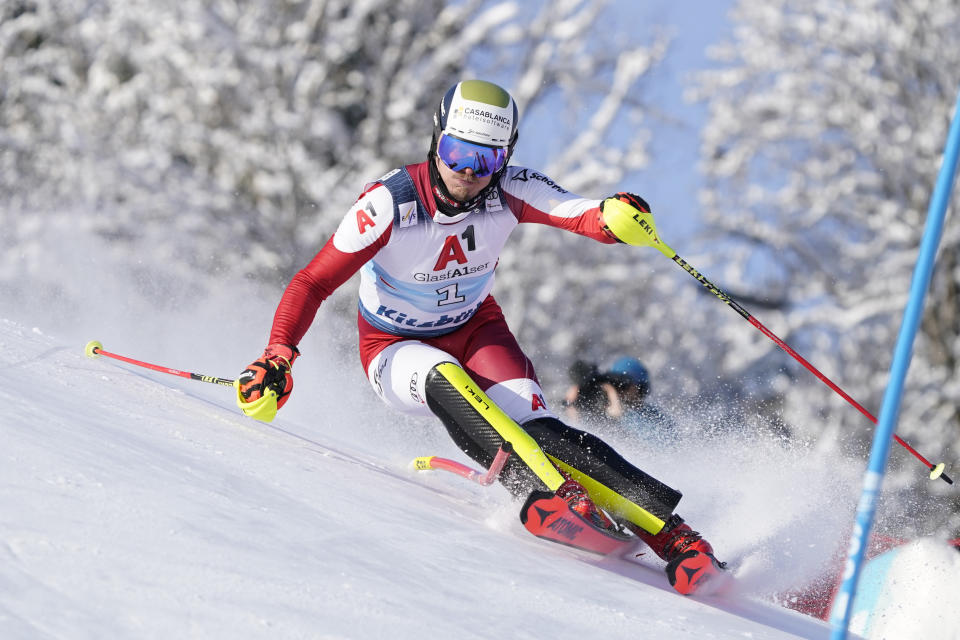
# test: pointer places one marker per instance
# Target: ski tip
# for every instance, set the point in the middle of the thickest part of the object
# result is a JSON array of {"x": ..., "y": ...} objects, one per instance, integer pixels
[
  {"x": 92, "y": 348},
  {"x": 697, "y": 573}
]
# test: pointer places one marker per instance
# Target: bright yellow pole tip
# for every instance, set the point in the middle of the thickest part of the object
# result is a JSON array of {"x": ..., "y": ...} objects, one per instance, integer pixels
[
  {"x": 423, "y": 463},
  {"x": 91, "y": 348}
]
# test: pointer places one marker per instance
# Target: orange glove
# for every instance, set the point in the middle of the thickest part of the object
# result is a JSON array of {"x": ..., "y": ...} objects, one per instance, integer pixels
[{"x": 265, "y": 385}]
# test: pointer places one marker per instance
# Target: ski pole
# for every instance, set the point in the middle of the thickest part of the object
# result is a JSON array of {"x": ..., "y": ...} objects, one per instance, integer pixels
[
  {"x": 94, "y": 349},
  {"x": 651, "y": 239},
  {"x": 428, "y": 463},
  {"x": 936, "y": 470}
]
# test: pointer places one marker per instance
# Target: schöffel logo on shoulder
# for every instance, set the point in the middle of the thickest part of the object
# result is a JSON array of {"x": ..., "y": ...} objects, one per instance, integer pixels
[{"x": 524, "y": 175}]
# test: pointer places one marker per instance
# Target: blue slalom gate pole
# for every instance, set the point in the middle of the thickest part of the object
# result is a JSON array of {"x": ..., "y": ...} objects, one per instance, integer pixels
[{"x": 873, "y": 478}]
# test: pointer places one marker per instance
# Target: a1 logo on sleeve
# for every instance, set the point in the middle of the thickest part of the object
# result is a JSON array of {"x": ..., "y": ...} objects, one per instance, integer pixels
[
  {"x": 365, "y": 218},
  {"x": 365, "y": 221}
]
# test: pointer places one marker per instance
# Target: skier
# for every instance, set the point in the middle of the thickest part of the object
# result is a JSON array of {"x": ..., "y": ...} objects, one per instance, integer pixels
[
  {"x": 433, "y": 341},
  {"x": 615, "y": 401}
]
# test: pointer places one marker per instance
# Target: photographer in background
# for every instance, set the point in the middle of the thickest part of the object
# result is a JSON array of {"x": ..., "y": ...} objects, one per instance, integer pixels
[
  {"x": 616, "y": 397},
  {"x": 589, "y": 395}
]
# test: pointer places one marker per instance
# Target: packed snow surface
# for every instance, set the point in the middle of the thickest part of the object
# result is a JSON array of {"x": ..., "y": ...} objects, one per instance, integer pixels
[{"x": 137, "y": 504}]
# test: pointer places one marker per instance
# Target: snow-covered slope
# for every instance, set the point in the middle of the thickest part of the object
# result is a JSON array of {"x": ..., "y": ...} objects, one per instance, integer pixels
[{"x": 135, "y": 504}]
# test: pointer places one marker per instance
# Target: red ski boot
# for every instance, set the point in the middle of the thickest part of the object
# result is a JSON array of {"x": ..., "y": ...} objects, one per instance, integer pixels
[
  {"x": 691, "y": 565},
  {"x": 577, "y": 498},
  {"x": 568, "y": 516}
]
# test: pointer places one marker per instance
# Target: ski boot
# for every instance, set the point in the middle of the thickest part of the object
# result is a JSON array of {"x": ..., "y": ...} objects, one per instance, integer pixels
[
  {"x": 691, "y": 565},
  {"x": 577, "y": 498},
  {"x": 570, "y": 517}
]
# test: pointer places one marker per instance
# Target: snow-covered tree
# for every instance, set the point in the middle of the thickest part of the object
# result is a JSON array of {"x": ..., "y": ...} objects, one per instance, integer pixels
[
  {"x": 826, "y": 129},
  {"x": 228, "y": 131}
]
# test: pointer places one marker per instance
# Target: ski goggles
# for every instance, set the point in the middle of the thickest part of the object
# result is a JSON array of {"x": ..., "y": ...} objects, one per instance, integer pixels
[{"x": 459, "y": 155}]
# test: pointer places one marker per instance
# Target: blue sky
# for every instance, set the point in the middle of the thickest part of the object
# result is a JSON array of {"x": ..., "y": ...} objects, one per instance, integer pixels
[{"x": 671, "y": 181}]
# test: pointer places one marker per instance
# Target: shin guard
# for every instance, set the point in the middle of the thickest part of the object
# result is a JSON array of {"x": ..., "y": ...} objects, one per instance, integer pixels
[{"x": 479, "y": 427}]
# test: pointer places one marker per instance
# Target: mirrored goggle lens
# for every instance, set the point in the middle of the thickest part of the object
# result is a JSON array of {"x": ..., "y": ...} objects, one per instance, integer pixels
[{"x": 460, "y": 154}]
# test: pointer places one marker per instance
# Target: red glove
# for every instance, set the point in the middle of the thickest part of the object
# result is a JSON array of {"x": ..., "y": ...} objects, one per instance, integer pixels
[
  {"x": 265, "y": 385},
  {"x": 631, "y": 199}
]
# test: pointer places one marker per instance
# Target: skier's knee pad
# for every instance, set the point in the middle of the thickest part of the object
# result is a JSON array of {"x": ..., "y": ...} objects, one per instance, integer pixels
[
  {"x": 587, "y": 454},
  {"x": 459, "y": 409}
]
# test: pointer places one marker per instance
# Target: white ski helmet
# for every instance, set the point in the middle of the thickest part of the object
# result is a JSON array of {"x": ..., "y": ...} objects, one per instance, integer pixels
[
  {"x": 476, "y": 121},
  {"x": 478, "y": 111}
]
